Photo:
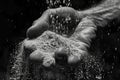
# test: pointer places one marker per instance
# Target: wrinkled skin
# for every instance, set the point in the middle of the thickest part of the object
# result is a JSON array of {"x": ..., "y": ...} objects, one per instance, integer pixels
[
  {"x": 89, "y": 21},
  {"x": 51, "y": 48},
  {"x": 82, "y": 35}
]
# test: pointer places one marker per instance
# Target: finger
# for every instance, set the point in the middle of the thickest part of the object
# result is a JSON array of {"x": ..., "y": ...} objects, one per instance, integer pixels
[
  {"x": 39, "y": 26},
  {"x": 42, "y": 23},
  {"x": 48, "y": 61},
  {"x": 61, "y": 55},
  {"x": 37, "y": 56},
  {"x": 60, "y": 52},
  {"x": 76, "y": 56},
  {"x": 65, "y": 11},
  {"x": 29, "y": 44},
  {"x": 45, "y": 58}
]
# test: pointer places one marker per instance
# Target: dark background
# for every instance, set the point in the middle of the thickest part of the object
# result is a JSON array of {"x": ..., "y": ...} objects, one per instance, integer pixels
[{"x": 16, "y": 16}]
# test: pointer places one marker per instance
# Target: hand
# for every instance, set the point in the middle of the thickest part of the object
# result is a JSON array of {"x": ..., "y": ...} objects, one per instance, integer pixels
[{"x": 68, "y": 49}]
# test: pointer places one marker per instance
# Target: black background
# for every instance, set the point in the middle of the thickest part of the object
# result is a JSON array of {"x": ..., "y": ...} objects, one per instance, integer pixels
[{"x": 16, "y": 16}]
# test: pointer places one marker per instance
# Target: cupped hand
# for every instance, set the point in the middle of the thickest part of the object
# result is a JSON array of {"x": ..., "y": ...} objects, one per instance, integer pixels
[{"x": 50, "y": 47}]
